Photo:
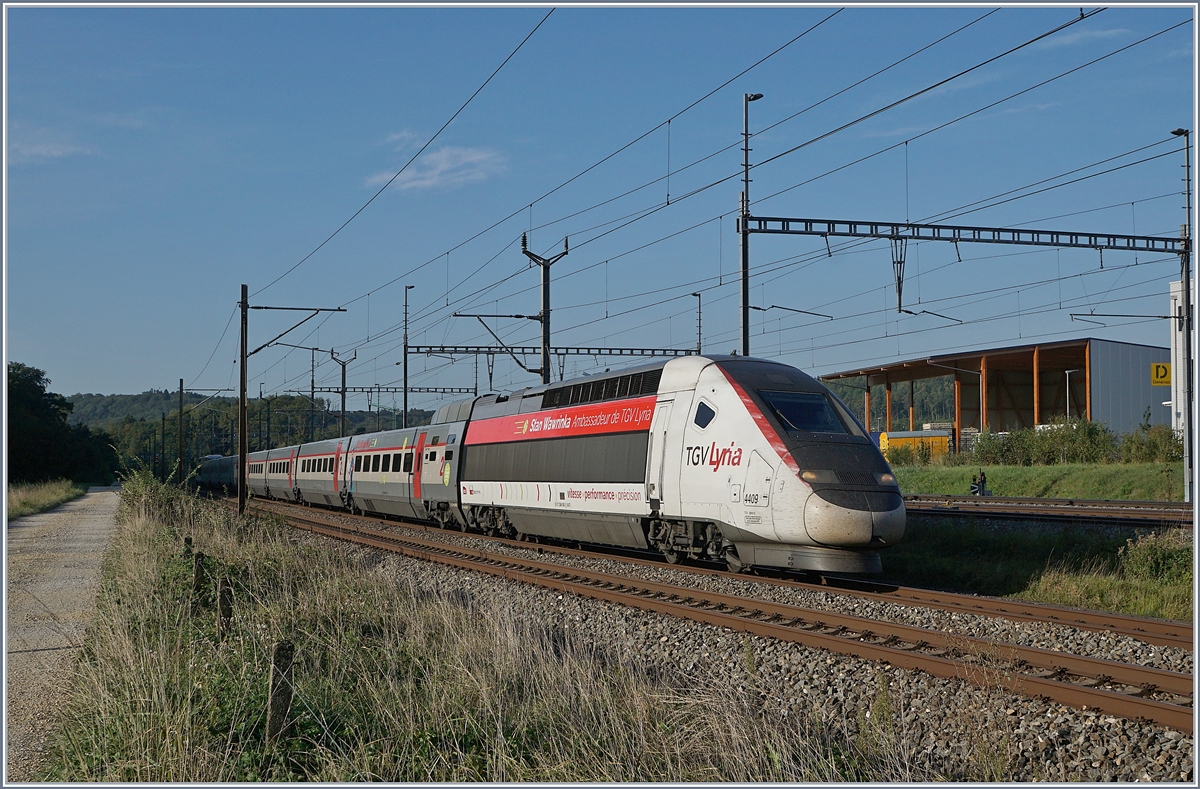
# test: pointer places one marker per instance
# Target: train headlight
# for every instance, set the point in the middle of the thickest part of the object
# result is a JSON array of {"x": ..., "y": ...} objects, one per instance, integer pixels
[
  {"x": 818, "y": 476},
  {"x": 886, "y": 479}
]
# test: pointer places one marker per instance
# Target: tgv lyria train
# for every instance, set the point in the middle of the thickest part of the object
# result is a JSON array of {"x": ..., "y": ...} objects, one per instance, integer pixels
[{"x": 720, "y": 457}]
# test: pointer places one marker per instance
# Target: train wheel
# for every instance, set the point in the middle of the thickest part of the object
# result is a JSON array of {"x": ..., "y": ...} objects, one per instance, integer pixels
[{"x": 673, "y": 557}]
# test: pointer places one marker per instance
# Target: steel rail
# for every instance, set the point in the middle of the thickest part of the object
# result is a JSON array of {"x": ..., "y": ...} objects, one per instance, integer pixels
[
  {"x": 983, "y": 663},
  {"x": 1160, "y": 632}
]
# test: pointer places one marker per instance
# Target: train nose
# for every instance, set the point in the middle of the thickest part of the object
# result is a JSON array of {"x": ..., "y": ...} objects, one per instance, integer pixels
[{"x": 854, "y": 518}]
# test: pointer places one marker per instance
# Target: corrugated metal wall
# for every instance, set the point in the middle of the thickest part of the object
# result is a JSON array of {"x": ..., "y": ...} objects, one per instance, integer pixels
[{"x": 1120, "y": 382}]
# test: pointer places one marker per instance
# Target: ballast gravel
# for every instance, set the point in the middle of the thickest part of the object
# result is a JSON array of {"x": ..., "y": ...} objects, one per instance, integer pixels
[
  {"x": 946, "y": 725},
  {"x": 1060, "y": 638}
]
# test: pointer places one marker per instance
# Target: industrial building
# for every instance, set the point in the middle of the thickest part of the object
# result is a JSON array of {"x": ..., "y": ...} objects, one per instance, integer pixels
[{"x": 1002, "y": 389}]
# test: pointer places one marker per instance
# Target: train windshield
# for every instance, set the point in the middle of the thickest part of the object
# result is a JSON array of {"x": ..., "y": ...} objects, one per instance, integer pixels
[{"x": 808, "y": 412}]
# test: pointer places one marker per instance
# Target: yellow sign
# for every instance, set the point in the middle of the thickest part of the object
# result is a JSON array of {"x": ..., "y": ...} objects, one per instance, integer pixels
[
  {"x": 883, "y": 442},
  {"x": 1160, "y": 374}
]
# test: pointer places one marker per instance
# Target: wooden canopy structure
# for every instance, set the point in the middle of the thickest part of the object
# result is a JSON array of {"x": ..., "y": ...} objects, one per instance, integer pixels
[{"x": 1001, "y": 389}]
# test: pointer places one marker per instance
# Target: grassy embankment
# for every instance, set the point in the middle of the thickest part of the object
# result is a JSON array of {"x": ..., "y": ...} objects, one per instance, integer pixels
[
  {"x": 1065, "y": 565},
  {"x": 34, "y": 497},
  {"x": 402, "y": 681},
  {"x": 1138, "y": 481}
]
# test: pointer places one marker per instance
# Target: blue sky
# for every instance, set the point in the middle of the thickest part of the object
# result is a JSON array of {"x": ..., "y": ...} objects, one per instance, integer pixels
[{"x": 157, "y": 158}]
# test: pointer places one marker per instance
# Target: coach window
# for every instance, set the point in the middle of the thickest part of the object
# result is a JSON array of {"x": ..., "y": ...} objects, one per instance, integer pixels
[
  {"x": 449, "y": 454},
  {"x": 408, "y": 457},
  {"x": 396, "y": 461},
  {"x": 704, "y": 415},
  {"x": 358, "y": 462},
  {"x": 435, "y": 440},
  {"x": 387, "y": 464},
  {"x": 374, "y": 463}
]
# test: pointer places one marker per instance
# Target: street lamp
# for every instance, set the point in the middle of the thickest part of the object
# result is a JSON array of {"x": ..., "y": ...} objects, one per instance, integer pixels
[
  {"x": 744, "y": 223},
  {"x": 698, "y": 309},
  {"x": 1185, "y": 283},
  {"x": 407, "y": 288},
  {"x": 1068, "y": 372}
]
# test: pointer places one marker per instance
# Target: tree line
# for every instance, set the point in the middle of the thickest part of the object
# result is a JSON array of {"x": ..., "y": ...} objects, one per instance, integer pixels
[{"x": 42, "y": 445}]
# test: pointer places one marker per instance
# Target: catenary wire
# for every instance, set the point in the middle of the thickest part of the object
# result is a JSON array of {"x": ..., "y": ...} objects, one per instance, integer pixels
[
  {"x": 410, "y": 161},
  {"x": 990, "y": 105}
]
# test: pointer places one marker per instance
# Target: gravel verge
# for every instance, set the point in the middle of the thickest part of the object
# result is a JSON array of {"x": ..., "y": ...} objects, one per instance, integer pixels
[{"x": 54, "y": 561}]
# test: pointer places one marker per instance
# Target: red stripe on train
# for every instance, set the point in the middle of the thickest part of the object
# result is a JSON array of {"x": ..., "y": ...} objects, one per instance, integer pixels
[
  {"x": 614, "y": 416},
  {"x": 764, "y": 425}
]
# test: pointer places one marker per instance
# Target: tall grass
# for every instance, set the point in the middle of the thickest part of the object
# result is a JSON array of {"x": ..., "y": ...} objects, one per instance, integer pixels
[
  {"x": 1152, "y": 576},
  {"x": 33, "y": 497},
  {"x": 405, "y": 681}
]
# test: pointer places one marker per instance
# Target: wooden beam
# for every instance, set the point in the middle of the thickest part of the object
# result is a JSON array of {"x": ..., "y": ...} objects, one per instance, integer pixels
[
  {"x": 1037, "y": 388},
  {"x": 957, "y": 413},
  {"x": 867, "y": 406},
  {"x": 983, "y": 393},
  {"x": 1087, "y": 379},
  {"x": 912, "y": 404},
  {"x": 887, "y": 399}
]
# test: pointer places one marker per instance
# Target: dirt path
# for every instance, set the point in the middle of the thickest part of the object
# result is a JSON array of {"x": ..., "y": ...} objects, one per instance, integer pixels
[{"x": 53, "y": 577}]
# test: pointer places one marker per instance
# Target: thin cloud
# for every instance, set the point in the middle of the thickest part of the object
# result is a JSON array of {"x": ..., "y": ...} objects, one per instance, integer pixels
[
  {"x": 1029, "y": 107},
  {"x": 1078, "y": 37},
  {"x": 402, "y": 139},
  {"x": 445, "y": 168},
  {"x": 29, "y": 145},
  {"x": 903, "y": 131},
  {"x": 122, "y": 120}
]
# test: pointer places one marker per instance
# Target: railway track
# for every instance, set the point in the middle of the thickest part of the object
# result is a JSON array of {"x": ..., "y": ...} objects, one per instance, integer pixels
[
  {"x": 1162, "y": 697},
  {"x": 1135, "y": 513},
  {"x": 1160, "y": 632}
]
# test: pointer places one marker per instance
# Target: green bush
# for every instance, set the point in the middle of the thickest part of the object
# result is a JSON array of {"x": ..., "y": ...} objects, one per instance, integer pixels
[
  {"x": 900, "y": 455},
  {"x": 1064, "y": 441},
  {"x": 1074, "y": 441},
  {"x": 1160, "y": 556},
  {"x": 1157, "y": 444}
]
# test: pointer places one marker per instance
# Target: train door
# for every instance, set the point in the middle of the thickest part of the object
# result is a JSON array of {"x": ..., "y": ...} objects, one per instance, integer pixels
[
  {"x": 756, "y": 494},
  {"x": 655, "y": 454},
  {"x": 418, "y": 465},
  {"x": 407, "y": 459}
]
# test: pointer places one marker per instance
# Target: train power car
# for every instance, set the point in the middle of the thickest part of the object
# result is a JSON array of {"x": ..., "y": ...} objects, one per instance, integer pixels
[{"x": 731, "y": 458}]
